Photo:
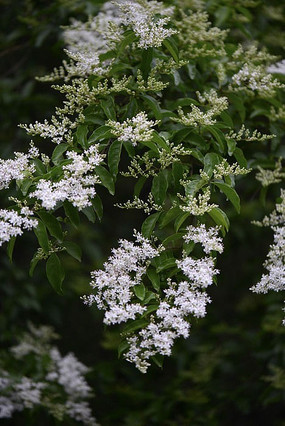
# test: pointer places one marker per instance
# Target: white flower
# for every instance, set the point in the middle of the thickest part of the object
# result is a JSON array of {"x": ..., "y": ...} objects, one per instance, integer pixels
[
  {"x": 77, "y": 184},
  {"x": 278, "y": 68},
  {"x": 207, "y": 237},
  {"x": 13, "y": 223},
  {"x": 15, "y": 169},
  {"x": 136, "y": 129}
]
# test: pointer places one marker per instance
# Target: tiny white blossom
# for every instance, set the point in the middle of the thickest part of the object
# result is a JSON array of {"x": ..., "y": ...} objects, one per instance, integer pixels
[
  {"x": 207, "y": 237},
  {"x": 136, "y": 129}
]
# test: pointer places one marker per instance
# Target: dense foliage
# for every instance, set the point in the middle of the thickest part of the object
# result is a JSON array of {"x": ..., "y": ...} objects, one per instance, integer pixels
[{"x": 174, "y": 110}]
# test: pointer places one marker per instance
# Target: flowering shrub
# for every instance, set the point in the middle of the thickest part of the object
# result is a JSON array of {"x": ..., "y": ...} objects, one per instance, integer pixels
[
  {"x": 35, "y": 375},
  {"x": 156, "y": 96}
]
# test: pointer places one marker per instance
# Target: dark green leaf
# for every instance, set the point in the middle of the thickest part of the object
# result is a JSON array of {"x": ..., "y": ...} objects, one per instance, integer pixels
[
  {"x": 171, "y": 46},
  {"x": 219, "y": 217},
  {"x": 57, "y": 153},
  {"x": 81, "y": 135},
  {"x": 159, "y": 187},
  {"x": 139, "y": 291},
  {"x": 73, "y": 249},
  {"x": 123, "y": 346},
  {"x": 210, "y": 161},
  {"x": 149, "y": 224},
  {"x": 114, "y": 156},
  {"x": 166, "y": 264},
  {"x": 230, "y": 193},
  {"x": 153, "y": 105},
  {"x": 100, "y": 134},
  {"x": 41, "y": 234},
  {"x": 154, "y": 278},
  {"x": 72, "y": 213},
  {"x": 108, "y": 107},
  {"x": 10, "y": 248},
  {"x": 106, "y": 179},
  {"x": 55, "y": 272},
  {"x": 98, "y": 206},
  {"x": 180, "y": 220},
  {"x": 52, "y": 225},
  {"x": 135, "y": 325},
  {"x": 89, "y": 213}
]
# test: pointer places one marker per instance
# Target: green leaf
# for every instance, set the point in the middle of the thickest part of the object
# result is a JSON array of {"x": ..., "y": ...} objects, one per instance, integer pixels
[
  {"x": 154, "y": 278},
  {"x": 219, "y": 138},
  {"x": 210, "y": 161},
  {"x": 41, "y": 234},
  {"x": 219, "y": 217},
  {"x": 166, "y": 264},
  {"x": 181, "y": 135},
  {"x": 239, "y": 156},
  {"x": 231, "y": 143},
  {"x": 25, "y": 185},
  {"x": 106, "y": 179},
  {"x": 135, "y": 325},
  {"x": 72, "y": 214},
  {"x": 171, "y": 46},
  {"x": 177, "y": 173},
  {"x": 158, "y": 360},
  {"x": 238, "y": 104},
  {"x": 10, "y": 248},
  {"x": 180, "y": 220},
  {"x": 81, "y": 135},
  {"x": 98, "y": 206},
  {"x": 159, "y": 187},
  {"x": 129, "y": 38},
  {"x": 129, "y": 148},
  {"x": 145, "y": 67},
  {"x": 153, "y": 105},
  {"x": 108, "y": 107},
  {"x": 123, "y": 346},
  {"x": 149, "y": 224},
  {"x": 160, "y": 141},
  {"x": 33, "y": 264},
  {"x": 52, "y": 225},
  {"x": 55, "y": 272},
  {"x": 227, "y": 119},
  {"x": 171, "y": 240},
  {"x": 73, "y": 249},
  {"x": 114, "y": 156},
  {"x": 139, "y": 291},
  {"x": 89, "y": 213},
  {"x": 230, "y": 193},
  {"x": 39, "y": 165},
  {"x": 170, "y": 215},
  {"x": 100, "y": 134},
  {"x": 57, "y": 153},
  {"x": 194, "y": 185}
]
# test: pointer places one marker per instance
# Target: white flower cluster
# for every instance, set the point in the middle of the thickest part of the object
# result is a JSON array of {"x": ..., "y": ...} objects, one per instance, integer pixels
[
  {"x": 115, "y": 284},
  {"x": 77, "y": 184},
  {"x": 171, "y": 319},
  {"x": 197, "y": 205},
  {"x": 214, "y": 104},
  {"x": 275, "y": 262},
  {"x": 15, "y": 169},
  {"x": 255, "y": 79},
  {"x": 278, "y": 68},
  {"x": 207, "y": 237},
  {"x": 135, "y": 129},
  {"x": 56, "y": 384},
  {"x": 12, "y": 223},
  {"x": 268, "y": 177},
  {"x": 115, "y": 291},
  {"x": 59, "y": 130},
  {"x": 140, "y": 17}
]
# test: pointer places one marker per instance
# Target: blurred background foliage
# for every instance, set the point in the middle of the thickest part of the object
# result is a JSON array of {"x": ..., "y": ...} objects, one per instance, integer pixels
[{"x": 231, "y": 370}]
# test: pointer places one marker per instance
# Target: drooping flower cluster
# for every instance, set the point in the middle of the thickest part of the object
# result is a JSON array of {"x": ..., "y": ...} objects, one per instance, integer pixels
[
  {"x": 274, "y": 279},
  {"x": 278, "y": 68},
  {"x": 116, "y": 290},
  {"x": 77, "y": 184},
  {"x": 13, "y": 223},
  {"x": 136, "y": 129},
  {"x": 55, "y": 383},
  {"x": 115, "y": 285},
  {"x": 179, "y": 301}
]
